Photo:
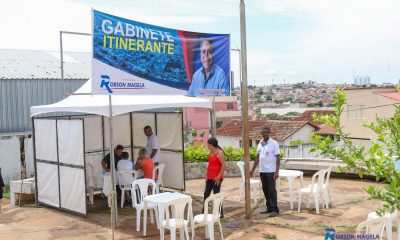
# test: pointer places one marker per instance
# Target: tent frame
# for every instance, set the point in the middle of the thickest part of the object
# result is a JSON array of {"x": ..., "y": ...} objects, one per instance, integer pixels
[{"x": 75, "y": 116}]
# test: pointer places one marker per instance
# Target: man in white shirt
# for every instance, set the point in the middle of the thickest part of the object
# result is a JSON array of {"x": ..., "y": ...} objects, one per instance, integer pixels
[
  {"x": 152, "y": 147},
  {"x": 268, "y": 154},
  {"x": 124, "y": 163}
]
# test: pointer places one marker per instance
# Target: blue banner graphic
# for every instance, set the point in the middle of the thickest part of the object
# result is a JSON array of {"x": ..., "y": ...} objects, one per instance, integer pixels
[{"x": 130, "y": 57}]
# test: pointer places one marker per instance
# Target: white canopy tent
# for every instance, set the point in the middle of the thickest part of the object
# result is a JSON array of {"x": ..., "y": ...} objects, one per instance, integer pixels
[
  {"x": 68, "y": 149},
  {"x": 81, "y": 102}
]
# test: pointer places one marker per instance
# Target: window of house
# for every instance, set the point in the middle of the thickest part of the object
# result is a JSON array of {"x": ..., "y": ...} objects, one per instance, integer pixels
[
  {"x": 250, "y": 143},
  {"x": 355, "y": 111},
  {"x": 219, "y": 124},
  {"x": 240, "y": 143},
  {"x": 229, "y": 105}
]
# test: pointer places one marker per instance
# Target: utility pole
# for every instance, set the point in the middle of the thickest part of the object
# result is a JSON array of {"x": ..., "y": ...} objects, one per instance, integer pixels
[{"x": 245, "y": 110}]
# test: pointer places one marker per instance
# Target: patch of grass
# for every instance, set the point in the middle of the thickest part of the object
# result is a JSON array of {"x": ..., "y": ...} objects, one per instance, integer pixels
[
  {"x": 286, "y": 225},
  {"x": 198, "y": 227},
  {"x": 346, "y": 226},
  {"x": 248, "y": 230},
  {"x": 224, "y": 220},
  {"x": 6, "y": 193},
  {"x": 321, "y": 225},
  {"x": 269, "y": 236},
  {"x": 254, "y": 207}
]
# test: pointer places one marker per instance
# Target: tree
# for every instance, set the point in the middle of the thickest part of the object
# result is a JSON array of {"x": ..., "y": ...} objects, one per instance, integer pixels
[
  {"x": 298, "y": 85},
  {"x": 378, "y": 160},
  {"x": 273, "y": 116},
  {"x": 293, "y": 113}
]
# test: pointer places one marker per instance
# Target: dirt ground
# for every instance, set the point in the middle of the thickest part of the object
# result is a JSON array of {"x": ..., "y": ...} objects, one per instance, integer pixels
[{"x": 351, "y": 206}]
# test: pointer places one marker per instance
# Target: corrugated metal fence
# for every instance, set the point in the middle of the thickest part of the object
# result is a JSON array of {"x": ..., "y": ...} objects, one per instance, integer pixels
[{"x": 18, "y": 95}]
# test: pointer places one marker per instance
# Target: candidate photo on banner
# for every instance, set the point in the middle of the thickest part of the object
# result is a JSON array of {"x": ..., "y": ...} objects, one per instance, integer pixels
[{"x": 211, "y": 64}]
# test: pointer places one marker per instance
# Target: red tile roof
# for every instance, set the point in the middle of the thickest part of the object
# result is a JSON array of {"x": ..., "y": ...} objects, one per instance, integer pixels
[
  {"x": 391, "y": 95},
  {"x": 307, "y": 116},
  {"x": 280, "y": 130},
  {"x": 326, "y": 129}
]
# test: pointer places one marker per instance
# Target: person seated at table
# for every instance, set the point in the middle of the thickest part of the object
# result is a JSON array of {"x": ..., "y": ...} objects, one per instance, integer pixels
[
  {"x": 145, "y": 164},
  {"x": 105, "y": 163},
  {"x": 125, "y": 163}
]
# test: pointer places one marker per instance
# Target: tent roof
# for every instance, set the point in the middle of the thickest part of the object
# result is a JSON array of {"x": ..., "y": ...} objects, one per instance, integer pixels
[{"x": 99, "y": 104}]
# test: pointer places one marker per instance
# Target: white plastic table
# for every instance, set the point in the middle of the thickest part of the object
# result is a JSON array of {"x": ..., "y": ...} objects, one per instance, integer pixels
[
  {"x": 290, "y": 175},
  {"x": 160, "y": 200},
  {"x": 107, "y": 186}
]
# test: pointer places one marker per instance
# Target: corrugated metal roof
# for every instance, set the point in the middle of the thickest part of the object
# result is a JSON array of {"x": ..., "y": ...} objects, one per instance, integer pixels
[
  {"x": 36, "y": 64},
  {"x": 18, "y": 95}
]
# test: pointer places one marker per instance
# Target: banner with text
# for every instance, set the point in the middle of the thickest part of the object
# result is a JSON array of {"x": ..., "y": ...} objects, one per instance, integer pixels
[{"x": 130, "y": 57}]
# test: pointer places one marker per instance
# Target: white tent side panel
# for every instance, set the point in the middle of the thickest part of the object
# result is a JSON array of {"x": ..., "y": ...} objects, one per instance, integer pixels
[
  {"x": 70, "y": 141},
  {"x": 169, "y": 130},
  {"x": 173, "y": 176},
  {"x": 46, "y": 139},
  {"x": 139, "y": 121},
  {"x": 47, "y": 183},
  {"x": 73, "y": 193},
  {"x": 93, "y": 133},
  {"x": 121, "y": 131}
]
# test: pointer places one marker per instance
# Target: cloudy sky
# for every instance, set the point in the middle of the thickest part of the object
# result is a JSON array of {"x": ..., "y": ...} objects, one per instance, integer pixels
[{"x": 288, "y": 40}]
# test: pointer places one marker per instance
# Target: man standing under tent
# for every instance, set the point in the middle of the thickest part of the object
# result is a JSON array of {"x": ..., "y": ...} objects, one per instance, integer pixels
[
  {"x": 105, "y": 163},
  {"x": 152, "y": 147},
  {"x": 268, "y": 154}
]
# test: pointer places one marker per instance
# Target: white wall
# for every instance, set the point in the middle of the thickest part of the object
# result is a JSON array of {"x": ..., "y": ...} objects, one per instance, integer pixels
[
  {"x": 9, "y": 158},
  {"x": 225, "y": 141},
  {"x": 29, "y": 164},
  {"x": 302, "y": 134}
]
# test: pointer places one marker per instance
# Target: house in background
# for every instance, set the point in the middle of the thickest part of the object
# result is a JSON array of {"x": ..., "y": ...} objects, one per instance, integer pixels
[
  {"x": 226, "y": 110},
  {"x": 286, "y": 133},
  {"x": 323, "y": 129},
  {"x": 363, "y": 106}
]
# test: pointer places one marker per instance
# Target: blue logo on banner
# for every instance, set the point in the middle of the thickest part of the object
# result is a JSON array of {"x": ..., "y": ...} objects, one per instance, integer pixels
[
  {"x": 105, "y": 82},
  {"x": 330, "y": 234}
]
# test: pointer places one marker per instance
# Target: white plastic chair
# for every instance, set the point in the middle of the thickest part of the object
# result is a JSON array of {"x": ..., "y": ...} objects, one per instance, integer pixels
[
  {"x": 391, "y": 218},
  {"x": 139, "y": 190},
  {"x": 373, "y": 226},
  {"x": 314, "y": 190},
  {"x": 125, "y": 179},
  {"x": 176, "y": 218},
  {"x": 326, "y": 188},
  {"x": 254, "y": 183},
  {"x": 207, "y": 219},
  {"x": 159, "y": 181}
]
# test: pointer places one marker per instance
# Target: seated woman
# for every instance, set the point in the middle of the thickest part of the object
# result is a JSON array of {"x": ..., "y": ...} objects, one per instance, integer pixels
[{"x": 145, "y": 164}]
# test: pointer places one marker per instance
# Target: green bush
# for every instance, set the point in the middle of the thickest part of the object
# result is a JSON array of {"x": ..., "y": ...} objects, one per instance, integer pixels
[{"x": 200, "y": 154}]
